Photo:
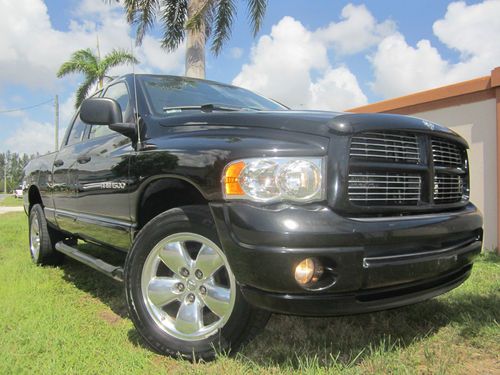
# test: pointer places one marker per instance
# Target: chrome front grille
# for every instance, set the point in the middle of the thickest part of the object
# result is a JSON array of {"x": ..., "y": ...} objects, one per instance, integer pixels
[
  {"x": 446, "y": 154},
  {"x": 370, "y": 188},
  {"x": 386, "y": 146},
  {"x": 403, "y": 169},
  {"x": 448, "y": 188}
]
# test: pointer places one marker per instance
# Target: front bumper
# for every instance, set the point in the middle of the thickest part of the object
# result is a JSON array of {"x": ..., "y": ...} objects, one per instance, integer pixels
[{"x": 373, "y": 264}]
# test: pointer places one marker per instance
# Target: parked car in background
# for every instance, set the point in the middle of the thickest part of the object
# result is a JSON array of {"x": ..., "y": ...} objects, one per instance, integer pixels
[
  {"x": 229, "y": 206},
  {"x": 18, "y": 192}
]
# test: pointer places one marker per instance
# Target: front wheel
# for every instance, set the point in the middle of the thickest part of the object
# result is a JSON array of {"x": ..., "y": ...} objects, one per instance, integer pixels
[{"x": 181, "y": 292}]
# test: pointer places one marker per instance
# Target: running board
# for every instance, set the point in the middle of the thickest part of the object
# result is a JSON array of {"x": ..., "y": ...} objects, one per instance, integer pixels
[{"x": 98, "y": 264}]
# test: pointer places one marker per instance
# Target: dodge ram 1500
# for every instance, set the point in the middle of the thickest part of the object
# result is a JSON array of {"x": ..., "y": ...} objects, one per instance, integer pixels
[{"x": 229, "y": 206}]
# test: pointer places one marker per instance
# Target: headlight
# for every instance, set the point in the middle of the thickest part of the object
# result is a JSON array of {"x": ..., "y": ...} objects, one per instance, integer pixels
[{"x": 275, "y": 179}]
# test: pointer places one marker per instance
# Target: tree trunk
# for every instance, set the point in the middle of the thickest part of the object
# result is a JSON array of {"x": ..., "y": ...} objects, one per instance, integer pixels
[{"x": 195, "y": 52}]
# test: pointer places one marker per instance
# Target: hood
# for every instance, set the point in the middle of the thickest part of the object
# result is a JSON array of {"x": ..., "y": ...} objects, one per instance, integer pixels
[{"x": 310, "y": 122}]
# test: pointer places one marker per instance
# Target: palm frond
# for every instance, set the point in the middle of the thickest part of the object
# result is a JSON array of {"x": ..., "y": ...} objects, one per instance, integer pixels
[
  {"x": 173, "y": 16},
  {"x": 83, "y": 90},
  {"x": 225, "y": 12},
  {"x": 81, "y": 61},
  {"x": 209, "y": 19},
  {"x": 256, "y": 10},
  {"x": 132, "y": 10},
  {"x": 143, "y": 14},
  {"x": 114, "y": 58}
]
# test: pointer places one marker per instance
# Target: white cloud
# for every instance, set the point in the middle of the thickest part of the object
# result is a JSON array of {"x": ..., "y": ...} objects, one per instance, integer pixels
[
  {"x": 291, "y": 65},
  {"x": 472, "y": 30},
  {"x": 35, "y": 136},
  {"x": 357, "y": 31},
  {"x": 32, "y": 49},
  {"x": 336, "y": 89},
  {"x": 400, "y": 68}
]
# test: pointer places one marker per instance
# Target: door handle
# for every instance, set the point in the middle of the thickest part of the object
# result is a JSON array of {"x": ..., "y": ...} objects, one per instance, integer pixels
[
  {"x": 83, "y": 159},
  {"x": 58, "y": 163}
]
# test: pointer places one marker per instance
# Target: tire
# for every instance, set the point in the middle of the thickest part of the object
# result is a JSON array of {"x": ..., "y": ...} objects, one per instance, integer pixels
[
  {"x": 177, "y": 310},
  {"x": 42, "y": 239}
]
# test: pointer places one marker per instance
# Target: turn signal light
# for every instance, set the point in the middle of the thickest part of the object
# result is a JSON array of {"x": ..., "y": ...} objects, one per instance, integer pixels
[
  {"x": 308, "y": 271},
  {"x": 231, "y": 179}
]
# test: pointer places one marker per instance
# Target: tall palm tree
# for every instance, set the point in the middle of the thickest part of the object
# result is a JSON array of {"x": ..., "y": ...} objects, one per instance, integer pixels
[
  {"x": 199, "y": 19},
  {"x": 93, "y": 68}
]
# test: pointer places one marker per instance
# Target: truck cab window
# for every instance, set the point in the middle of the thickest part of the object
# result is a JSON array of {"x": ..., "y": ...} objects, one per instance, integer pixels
[
  {"x": 118, "y": 92},
  {"x": 76, "y": 132}
]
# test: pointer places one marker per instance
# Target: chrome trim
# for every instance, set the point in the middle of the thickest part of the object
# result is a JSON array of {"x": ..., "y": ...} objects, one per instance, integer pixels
[
  {"x": 450, "y": 252},
  {"x": 390, "y": 146},
  {"x": 435, "y": 215},
  {"x": 369, "y": 187},
  {"x": 95, "y": 219},
  {"x": 446, "y": 154}
]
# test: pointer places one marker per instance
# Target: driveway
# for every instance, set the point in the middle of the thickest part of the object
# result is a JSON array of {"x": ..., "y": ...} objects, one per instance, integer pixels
[{"x": 4, "y": 210}]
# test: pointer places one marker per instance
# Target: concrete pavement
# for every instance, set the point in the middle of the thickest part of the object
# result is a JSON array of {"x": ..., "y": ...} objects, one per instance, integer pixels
[{"x": 4, "y": 210}]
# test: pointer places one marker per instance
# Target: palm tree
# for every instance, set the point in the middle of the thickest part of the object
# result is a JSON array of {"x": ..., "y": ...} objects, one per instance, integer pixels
[
  {"x": 93, "y": 68},
  {"x": 199, "y": 19}
]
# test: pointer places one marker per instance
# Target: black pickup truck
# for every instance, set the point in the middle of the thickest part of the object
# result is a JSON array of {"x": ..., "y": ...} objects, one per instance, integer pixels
[{"x": 229, "y": 206}]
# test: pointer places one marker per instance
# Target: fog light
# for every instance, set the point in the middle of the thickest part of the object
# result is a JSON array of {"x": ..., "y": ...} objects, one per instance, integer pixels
[{"x": 308, "y": 271}]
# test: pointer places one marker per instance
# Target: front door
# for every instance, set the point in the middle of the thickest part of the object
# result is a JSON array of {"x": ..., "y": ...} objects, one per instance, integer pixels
[{"x": 103, "y": 187}]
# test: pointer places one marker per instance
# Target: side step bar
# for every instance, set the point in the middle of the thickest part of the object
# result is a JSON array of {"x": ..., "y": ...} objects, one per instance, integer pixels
[{"x": 114, "y": 272}]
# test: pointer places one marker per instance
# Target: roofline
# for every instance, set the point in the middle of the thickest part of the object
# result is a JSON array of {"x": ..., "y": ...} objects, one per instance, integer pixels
[{"x": 459, "y": 93}]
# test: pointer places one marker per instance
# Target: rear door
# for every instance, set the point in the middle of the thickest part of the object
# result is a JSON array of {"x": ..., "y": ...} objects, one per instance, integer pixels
[{"x": 102, "y": 169}]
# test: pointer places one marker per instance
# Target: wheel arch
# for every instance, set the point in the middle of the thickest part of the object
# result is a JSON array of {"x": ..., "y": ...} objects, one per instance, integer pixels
[
  {"x": 163, "y": 194},
  {"x": 34, "y": 197}
]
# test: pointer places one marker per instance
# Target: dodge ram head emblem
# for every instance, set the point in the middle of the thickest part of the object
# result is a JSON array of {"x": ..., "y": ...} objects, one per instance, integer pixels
[{"x": 429, "y": 124}]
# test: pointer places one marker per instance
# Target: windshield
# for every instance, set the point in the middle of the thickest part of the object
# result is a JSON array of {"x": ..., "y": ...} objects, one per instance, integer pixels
[{"x": 169, "y": 94}]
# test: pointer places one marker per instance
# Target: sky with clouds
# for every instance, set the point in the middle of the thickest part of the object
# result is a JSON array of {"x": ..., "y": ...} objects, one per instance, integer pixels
[{"x": 321, "y": 54}]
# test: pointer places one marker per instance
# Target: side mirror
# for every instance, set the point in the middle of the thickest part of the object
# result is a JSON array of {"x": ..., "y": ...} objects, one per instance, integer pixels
[
  {"x": 100, "y": 111},
  {"x": 128, "y": 129}
]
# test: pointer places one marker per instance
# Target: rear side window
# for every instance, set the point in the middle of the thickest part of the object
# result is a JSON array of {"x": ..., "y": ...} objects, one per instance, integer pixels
[
  {"x": 76, "y": 132},
  {"x": 118, "y": 92}
]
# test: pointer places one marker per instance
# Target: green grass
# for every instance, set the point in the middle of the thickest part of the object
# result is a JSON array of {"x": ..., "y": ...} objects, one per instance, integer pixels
[
  {"x": 72, "y": 320},
  {"x": 10, "y": 201}
]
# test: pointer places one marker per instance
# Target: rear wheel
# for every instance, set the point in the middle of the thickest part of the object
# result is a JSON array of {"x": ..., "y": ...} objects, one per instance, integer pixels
[
  {"x": 43, "y": 239},
  {"x": 181, "y": 292}
]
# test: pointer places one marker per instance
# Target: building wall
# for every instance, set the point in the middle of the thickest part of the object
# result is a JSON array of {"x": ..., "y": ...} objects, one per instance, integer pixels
[{"x": 476, "y": 122}]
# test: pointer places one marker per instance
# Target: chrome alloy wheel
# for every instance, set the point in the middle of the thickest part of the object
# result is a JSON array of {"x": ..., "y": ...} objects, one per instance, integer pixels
[
  {"x": 188, "y": 287},
  {"x": 35, "y": 237}
]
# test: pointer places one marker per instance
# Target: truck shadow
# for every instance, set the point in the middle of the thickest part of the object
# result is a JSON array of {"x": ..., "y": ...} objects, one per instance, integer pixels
[
  {"x": 292, "y": 341},
  {"x": 97, "y": 285}
]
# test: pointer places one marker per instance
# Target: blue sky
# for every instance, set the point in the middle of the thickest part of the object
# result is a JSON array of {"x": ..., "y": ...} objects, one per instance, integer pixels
[{"x": 325, "y": 54}]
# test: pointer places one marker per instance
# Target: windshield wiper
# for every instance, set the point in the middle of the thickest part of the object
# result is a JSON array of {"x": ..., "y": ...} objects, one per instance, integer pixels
[{"x": 203, "y": 108}]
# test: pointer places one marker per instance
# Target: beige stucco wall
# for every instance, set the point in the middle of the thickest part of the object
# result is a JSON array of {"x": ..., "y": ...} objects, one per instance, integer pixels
[{"x": 476, "y": 122}]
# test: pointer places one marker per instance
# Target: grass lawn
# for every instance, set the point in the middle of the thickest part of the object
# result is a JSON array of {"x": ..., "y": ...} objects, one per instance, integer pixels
[
  {"x": 10, "y": 201},
  {"x": 72, "y": 320}
]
